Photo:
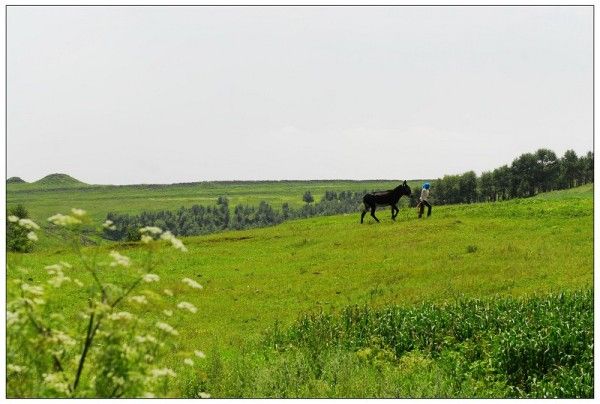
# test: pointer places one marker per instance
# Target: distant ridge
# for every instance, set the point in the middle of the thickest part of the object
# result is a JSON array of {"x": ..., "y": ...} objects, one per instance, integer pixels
[
  {"x": 16, "y": 180},
  {"x": 58, "y": 180}
]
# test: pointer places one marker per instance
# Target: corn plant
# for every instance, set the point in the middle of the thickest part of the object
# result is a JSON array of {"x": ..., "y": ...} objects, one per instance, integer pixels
[{"x": 540, "y": 347}]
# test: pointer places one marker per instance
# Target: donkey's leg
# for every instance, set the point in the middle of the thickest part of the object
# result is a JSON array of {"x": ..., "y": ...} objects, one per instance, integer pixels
[
  {"x": 395, "y": 211},
  {"x": 362, "y": 215},
  {"x": 373, "y": 213}
]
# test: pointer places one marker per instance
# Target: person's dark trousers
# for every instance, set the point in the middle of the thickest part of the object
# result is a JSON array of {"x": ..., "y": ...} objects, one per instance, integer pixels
[{"x": 422, "y": 205}]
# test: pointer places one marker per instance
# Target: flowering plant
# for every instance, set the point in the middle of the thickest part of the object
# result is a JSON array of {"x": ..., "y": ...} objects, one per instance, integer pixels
[{"x": 111, "y": 348}]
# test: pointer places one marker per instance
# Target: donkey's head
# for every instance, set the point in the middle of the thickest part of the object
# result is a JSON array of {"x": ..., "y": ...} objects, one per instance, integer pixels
[{"x": 404, "y": 189}]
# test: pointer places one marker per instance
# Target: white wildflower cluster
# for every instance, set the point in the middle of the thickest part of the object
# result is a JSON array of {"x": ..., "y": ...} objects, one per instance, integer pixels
[
  {"x": 151, "y": 230},
  {"x": 56, "y": 382},
  {"x": 163, "y": 372},
  {"x": 109, "y": 224},
  {"x": 151, "y": 278},
  {"x": 63, "y": 220},
  {"x": 121, "y": 316},
  {"x": 28, "y": 224},
  {"x": 101, "y": 307},
  {"x": 166, "y": 328},
  {"x": 187, "y": 306},
  {"x": 60, "y": 338},
  {"x": 144, "y": 348},
  {"x": 191, "y": 283},
  {"x": 175, "y": 242},
  {"x": 12, "y": 318},
  {"x": 34, "y": 290},
  {"x": 78, "y": 212},
  {"x": 15, "y": 368},
  {"x": 57, "y": 276},
  {"x": 119, "y": 259},
  {"x": 118, "y": 380},
  {"x": 145, "y": 338},
  {"x": 129, "y": 351},
  {"x": 140, "y": 299}
]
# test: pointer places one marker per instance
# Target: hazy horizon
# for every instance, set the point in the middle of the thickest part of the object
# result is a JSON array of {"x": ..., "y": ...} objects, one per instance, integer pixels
[
  {"x": 175, "y": 182},
  {"x": 161, "y": 95}
]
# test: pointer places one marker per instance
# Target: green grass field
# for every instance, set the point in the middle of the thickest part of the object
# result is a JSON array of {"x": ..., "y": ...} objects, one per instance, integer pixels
[
  {"x": 255, "y": 278},
  {"x": 44, "y": 200}
]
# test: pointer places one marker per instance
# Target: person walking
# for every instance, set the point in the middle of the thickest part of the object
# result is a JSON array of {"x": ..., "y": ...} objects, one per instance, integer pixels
[{"x": 423, "y": 201}]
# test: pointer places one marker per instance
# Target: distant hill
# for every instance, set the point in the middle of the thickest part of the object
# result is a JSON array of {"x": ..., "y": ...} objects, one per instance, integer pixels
[
  {"x": 58, "y": 180},
  {"x": 16, "y": 180}
]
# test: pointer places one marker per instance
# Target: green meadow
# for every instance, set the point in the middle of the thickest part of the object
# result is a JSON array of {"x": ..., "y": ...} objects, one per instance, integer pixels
[
  {"x": 45, "y": 198},
  {"x": 262, "y": 280}
]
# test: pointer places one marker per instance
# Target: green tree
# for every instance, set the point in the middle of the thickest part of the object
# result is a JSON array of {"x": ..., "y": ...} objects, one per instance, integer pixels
[
  {"x": 285, "y": 211},
  {"x": 502, "y": 180},
  {"x": 486, "y": 186},
  {"x": 223, "y": 211},
  {"x": 447, "y": 190},
  {"x": 467, "y": 185},
  {"x": 524, "y": 172},
  {"x": 586, "y": 168},
  {"x": 308, "y": 198},
  {"x": 440, "y": 192},
  {"x": 569, "y": 169},
  {"x": 547, "y": 171}
]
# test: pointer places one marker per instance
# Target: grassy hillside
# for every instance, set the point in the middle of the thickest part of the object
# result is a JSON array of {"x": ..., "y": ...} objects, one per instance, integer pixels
[
  {"x": 254, "y": 279},
  {"x": 48, "y": 198}
]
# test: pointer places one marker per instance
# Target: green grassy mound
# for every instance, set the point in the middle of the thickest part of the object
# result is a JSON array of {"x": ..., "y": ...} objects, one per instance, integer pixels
[
  {"x": 58, "y": 180},
  {"x": 16, "y": 180}
]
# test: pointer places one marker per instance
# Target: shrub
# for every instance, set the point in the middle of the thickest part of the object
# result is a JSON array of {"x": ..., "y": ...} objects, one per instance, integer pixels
[{"x": 20, "y": 230}]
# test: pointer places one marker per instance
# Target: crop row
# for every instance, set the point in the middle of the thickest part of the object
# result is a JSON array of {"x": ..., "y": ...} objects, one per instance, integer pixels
[{"x": 530, "y": 344}]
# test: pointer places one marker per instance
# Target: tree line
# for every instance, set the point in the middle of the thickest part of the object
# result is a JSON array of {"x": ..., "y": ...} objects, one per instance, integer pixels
[
  {"x": 199, "y": 219},
  {"x": 529, "y": 174}
]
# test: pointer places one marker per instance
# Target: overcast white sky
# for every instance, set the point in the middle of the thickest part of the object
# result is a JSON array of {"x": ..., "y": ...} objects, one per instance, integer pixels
[{"x": 122, "y": 95}]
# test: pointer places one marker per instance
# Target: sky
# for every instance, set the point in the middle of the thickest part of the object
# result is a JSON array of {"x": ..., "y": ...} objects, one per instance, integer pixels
[{"x": 128, "y": 95}]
